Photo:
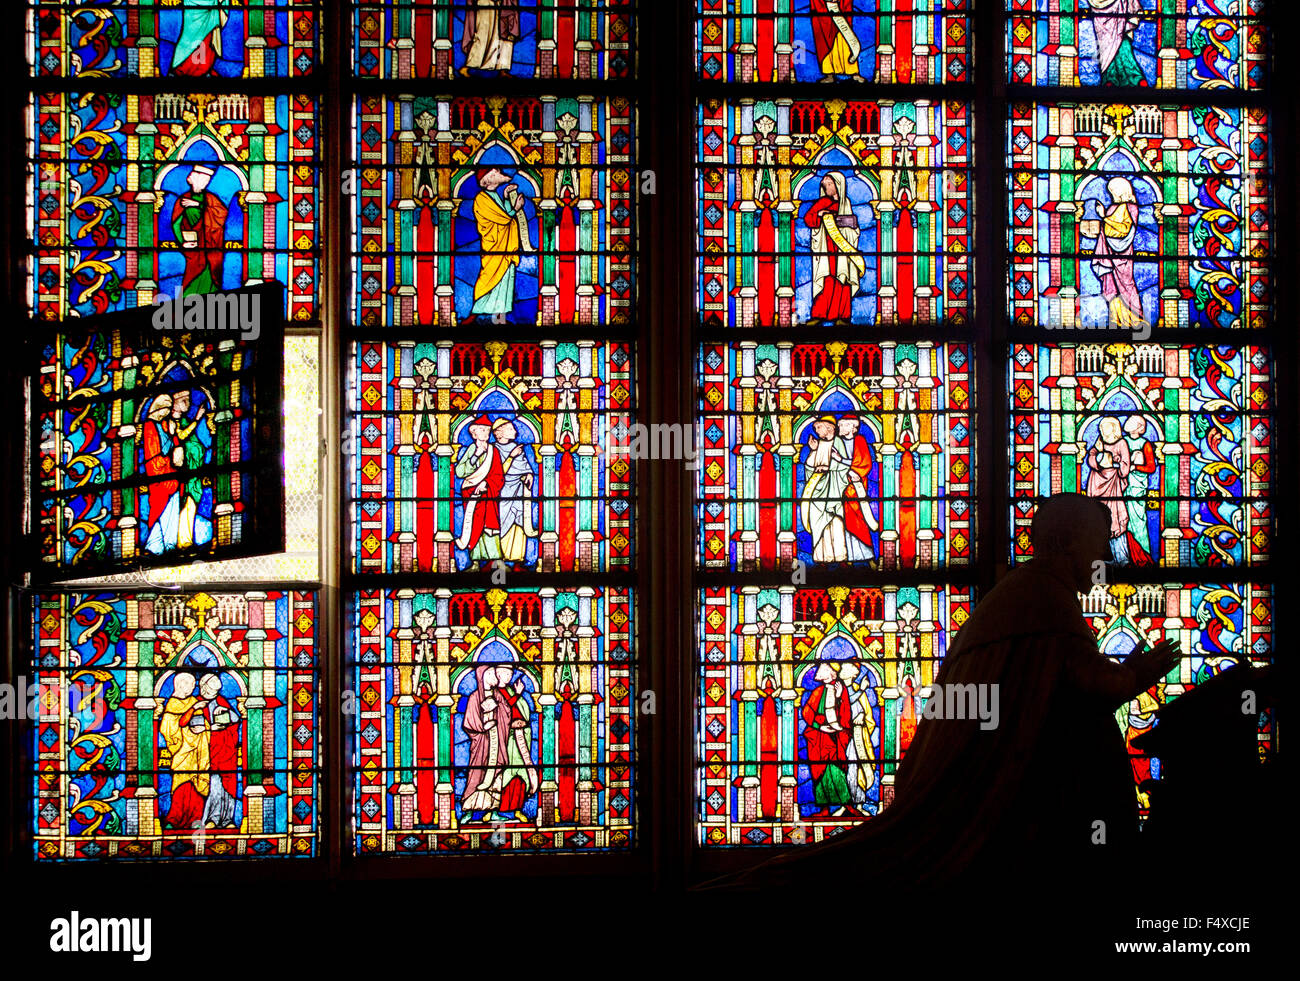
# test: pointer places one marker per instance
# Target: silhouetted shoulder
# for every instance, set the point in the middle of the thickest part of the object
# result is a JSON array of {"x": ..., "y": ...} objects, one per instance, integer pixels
[{"x": 1027, "y": 601}]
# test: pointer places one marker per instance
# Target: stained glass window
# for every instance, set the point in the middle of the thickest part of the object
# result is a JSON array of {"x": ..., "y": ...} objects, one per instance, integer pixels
[
  {"x": 174, "y": 38},
  {"x": 491, "y": 398},
  {"x": 1176, "y": 440},
  {"x": 446, "y": 39},
  {"x": 175, "y": 726},
  {"x": 469, "y": 455},
  {"x": 497, "y": 720},
  {"x": 849, "y": 458},
  {"x": 808, "y": 699},
  {"x": 453, "y": 196},
  {"x": 835, "y": 454},
  {"x": 174, "y": 166},
  {"x": 825, "y": 40},
  {"x": 1140, "y": 230},
  {"x": 153, "y": 447},
  {"x": 827, "y": 211},
  {"x": 138, "y": 196},
  {"x": 493, "y": 210},
  {"x": 1166, "y": 44},
  {"x": 1130, "y": 217}
]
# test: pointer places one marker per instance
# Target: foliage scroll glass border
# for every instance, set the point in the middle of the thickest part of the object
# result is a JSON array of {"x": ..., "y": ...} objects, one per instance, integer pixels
[
  {"x": 200, "y": 175},
  {"x": 1127, "y": 222},
  {"x": 808, "y": 698},
  {"x": 1178, "y": 440},
  {"x": 1140, "y": 217}
]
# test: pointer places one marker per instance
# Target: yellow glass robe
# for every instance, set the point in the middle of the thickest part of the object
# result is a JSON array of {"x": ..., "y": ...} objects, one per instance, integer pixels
[
  {"x": 187, "y": 749},
  {"x": 498, "y": 229}
]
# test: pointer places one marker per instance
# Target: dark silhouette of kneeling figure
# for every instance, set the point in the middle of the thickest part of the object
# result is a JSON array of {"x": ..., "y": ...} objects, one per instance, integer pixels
[{"x": 1021, "y": 801}]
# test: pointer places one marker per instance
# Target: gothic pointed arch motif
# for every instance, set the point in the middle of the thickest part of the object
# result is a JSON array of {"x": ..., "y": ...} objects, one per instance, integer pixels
[
  {"x": 790, "y": 428},
  {"x": 472, "y": 454},
  {"x": 809, "y": 698},
  {"x": 158, "y": 194},
  {"x": 1136, "y": 226},
  {"x": 182, "y": 725},
  {"x": 495, "y": 719},
  {"x": 488, "y": 209},
  {"x": 849, "y": 212}
]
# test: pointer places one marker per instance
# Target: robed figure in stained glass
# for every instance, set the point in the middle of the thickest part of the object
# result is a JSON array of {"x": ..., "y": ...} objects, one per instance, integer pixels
[
  {"x": 1109, "y": 466},
  {"x": 515, "y": 512},
  {"x": 479, "y": 468},
  {"x": 199, "y": 223},
  {"x": 503, "y": 234},
  {"x": 161, "y": 456},
  {"x": 199, "y": 45},
  {"x": 491, "y": 30},
  {"x": 837, "y": 266},
  {"x": 1108, "y": 472},
  {"x": 179, "y": 512},
  {"x": 1115, "y": 233},
  {"x": 828, "y": 737},
  {"x": 1142, "y": 465},
  {"x": 821, "y": 505},
  {"x": 859, "y": 521},
  {"x": 194, "y": 441},
  {"x": 186, "y": 753},
  {"x": 977, "y": 802},
  {"x": 222, "y": 723},
  {"x": 838, "y": 47},
  {"x": 1113, "y": 24}
]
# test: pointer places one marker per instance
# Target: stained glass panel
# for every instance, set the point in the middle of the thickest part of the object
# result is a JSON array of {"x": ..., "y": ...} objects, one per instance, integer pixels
[
  {"x": 1166, "y": 44},
  {"x": 1133, "y": 217},
  {"x": 470, "y": 455},
  {"x": 175, "y": 726},
  {"x": 485, "y": 39},
  {"x": 493, "y": 210},
  {"x": 139, "y": 196},
  {"x": 773, "y": 769},
  {"x": 835, "y": 454},
  {"x": 783, "y": 760},
  {"x": 1177, "y": 440},
  {"x": 301, "y": 559},
  {"x": 152, "y": 447},
  {"x": 1217, "y": 626},
  {"x": 174, "y": 38},
  {"x": 498, "y": 720},
  {"x": 833, "y": 40},
  {"x": 814, "y": 212}
]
